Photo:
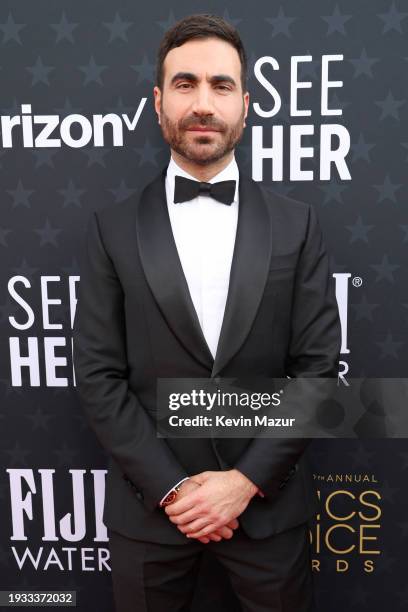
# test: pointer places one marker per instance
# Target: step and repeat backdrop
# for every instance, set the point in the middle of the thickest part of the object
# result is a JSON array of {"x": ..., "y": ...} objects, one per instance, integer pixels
[{"x": 328, "y": 125}]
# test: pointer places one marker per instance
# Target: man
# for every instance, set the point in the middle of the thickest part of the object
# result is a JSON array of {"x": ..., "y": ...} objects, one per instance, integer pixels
[{"x": 195, "y": 281}]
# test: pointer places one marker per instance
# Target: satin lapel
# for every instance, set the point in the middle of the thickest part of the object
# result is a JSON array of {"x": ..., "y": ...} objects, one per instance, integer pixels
[
  {"x": 164, "y": 272},
  {"x": 249, "y": 271}
]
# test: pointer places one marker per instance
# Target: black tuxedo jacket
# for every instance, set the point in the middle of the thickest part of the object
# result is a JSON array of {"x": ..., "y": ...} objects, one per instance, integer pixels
[{"x": 135, "y": 322}]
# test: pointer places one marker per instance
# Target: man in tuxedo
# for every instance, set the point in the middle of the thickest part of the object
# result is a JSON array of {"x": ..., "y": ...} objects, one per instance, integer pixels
[{"x": 205, "y": 275}]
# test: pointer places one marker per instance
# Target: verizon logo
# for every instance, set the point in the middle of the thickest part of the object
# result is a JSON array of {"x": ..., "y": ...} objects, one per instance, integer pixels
[{"x": 76, "y": 131}]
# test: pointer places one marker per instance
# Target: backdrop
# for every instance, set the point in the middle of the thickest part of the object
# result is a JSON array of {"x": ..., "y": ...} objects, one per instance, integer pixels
[{"x": 327, "y": 125}]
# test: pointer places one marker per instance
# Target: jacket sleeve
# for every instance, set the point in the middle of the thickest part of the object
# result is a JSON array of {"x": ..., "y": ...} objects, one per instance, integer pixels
[
  {"x": 314, "y": 350},
  {"x": 123, "y": 427}
]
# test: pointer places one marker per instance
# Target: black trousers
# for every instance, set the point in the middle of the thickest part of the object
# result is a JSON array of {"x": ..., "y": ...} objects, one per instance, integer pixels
[{"x": 273, "y": 574}]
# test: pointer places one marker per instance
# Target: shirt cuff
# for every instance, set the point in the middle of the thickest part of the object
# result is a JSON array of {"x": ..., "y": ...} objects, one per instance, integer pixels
[{"x": 176, "y": 485}]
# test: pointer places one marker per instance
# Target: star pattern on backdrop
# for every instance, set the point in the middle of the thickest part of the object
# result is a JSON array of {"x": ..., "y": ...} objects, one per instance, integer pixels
[
  {"x": 280, "y": 24},
  {"x": 118, "y": 28},
  {"x": 336, "y": 22},
  {"x": 385, "y": 270},
  {"x": 359, "y": 231},
  {"x": 92, "y": 72},
  {"x": 64, "y": 29},
  {"x": 11, "y": 30}
]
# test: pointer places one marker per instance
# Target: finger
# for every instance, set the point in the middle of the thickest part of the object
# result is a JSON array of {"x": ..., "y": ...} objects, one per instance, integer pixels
[
  {"x": 182, "y": 505},
  {"x": 218, "y": 535},
  {"x": 186, "y": 517},
  {"x": 233, "y": 524},
  {"x": 202, "y": 532},
  {"x": 194, "y": 525},
  {"x": 215, "y": 537},
  {"x": 225, "y": 532}
]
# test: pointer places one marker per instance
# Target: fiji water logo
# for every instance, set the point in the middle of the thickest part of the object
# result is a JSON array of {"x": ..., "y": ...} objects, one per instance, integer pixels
[{"x": 342, "y": 295}]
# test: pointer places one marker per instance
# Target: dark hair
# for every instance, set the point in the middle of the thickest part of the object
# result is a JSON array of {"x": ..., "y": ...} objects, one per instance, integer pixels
[{"x": 200, "y": 26}]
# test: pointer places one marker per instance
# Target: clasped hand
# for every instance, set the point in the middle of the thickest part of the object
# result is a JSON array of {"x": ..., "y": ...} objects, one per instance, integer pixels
[{"x": 209, "y": 503}]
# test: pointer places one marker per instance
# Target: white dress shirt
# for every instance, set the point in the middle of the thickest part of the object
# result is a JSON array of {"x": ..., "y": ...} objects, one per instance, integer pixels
[{"x": 204, "y": 231}]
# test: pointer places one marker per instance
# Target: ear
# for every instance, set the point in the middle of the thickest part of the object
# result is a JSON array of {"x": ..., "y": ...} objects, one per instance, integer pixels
[
  {"x": 246, "y": 104},
  {"x": 157, "y": 101}
]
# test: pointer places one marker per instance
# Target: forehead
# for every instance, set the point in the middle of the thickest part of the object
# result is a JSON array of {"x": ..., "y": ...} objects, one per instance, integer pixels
[{"x": 203, "y": 57}]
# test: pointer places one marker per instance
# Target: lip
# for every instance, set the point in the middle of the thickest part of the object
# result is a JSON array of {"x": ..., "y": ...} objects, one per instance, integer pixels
[{"x": 199, "y": 129}]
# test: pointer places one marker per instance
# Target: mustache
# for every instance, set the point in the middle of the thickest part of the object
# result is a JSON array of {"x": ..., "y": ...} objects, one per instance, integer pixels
[{"x": 203, "y": 122}]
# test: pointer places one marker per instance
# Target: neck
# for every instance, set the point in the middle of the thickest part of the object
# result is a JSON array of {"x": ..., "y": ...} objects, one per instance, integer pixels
[{"x": 202, "y": 173}]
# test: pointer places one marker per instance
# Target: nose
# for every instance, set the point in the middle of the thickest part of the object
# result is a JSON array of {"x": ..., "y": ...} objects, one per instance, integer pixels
[{"x": 202, "y": 103}]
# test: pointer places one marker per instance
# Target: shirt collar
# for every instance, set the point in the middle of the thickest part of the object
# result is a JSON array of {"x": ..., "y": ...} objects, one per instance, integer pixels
[{"x": 230, "y": 172}]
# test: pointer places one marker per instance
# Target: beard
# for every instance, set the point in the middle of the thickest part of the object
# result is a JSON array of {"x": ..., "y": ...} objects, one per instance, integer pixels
[{"x": 202, "y": 149}]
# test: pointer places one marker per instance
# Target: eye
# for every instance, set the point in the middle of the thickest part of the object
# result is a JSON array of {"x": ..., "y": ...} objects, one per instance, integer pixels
[
  {"x": 182, "y": 85},
  {"x": 224, "y": 87}
]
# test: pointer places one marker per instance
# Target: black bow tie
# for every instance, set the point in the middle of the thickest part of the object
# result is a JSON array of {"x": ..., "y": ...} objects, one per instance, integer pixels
[{"x": 187, "y": 189}]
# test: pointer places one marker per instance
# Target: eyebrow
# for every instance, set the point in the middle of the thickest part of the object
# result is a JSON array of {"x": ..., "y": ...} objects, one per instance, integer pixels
[{"x": 190, "y": 76}]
